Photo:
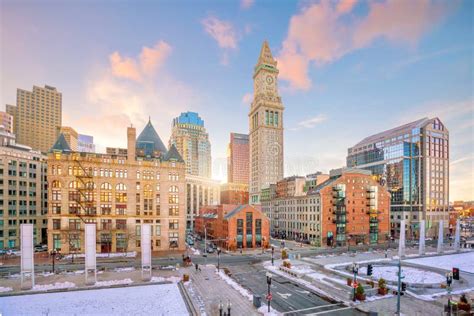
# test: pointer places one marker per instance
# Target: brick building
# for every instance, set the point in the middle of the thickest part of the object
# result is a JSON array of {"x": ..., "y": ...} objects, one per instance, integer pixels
[
  {"x": 234, "y": 193},
  {"x": 234, "y": 226}
]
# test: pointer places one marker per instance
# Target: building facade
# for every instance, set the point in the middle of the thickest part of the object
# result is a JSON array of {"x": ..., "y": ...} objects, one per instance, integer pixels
[
  {"x": 234, "y": 193},
  {"x": 6, "y": 120},
  {"x": 70, "y": 135},
  {"x": 412, "y": 161},
  {"x": 85, "y": 143},
  {"x": 349, "y": 207},
  {"x": 189, "y": 136},
  {"x": 238, "y": 159},
  {"x": 234, "y": 226},
  {"x": 200, "y": 191},
  {"x": 118, "y": 193},
  {"x": 37, "y": 116},
  {"x": 23, "y": 190},
  {"x": 265, "y": 126}
]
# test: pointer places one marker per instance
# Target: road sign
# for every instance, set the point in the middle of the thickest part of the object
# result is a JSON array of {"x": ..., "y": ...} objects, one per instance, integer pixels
[{"x": 269, "y": 296}]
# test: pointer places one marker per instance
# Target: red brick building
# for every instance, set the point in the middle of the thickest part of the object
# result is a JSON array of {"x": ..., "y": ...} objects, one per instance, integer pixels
[
  {"x": 234, "y": 193},
  {"x": 234, "y": 226},
  {"x": 354, "y": 209}
]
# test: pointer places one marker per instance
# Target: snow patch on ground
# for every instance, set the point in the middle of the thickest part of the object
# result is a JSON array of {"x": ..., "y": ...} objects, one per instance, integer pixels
[
  {"x": 196, "y": 298},
  {"x": 172, "y": 279},
  {"x": 46, "y": 274},
  {"x": 463, "y": 261},
  {"x": 235, "y": 285},
  {"x": 195, "y": 251},
  {"x": 412, "y": 275},
  {"x": 55, "y": 286},
  {"x": 163, "y": 299},
  {"x": 128, "y": 269},
  {"x": 113, "y": 282},
  {"x": 264, "y": 311},
  {"x": 5, "y": 289}
]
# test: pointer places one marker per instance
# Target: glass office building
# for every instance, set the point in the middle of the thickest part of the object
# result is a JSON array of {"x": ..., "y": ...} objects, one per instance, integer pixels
[{"x": 412, "y": 161}]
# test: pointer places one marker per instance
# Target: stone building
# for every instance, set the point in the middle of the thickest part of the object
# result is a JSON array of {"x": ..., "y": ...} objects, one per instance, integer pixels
[
  {"x": 36, "y": 117},
  {"x": 265, "y": 126},
  {"x": 118, "y": 193},
  {"x": 22, "y": 191},
  {"x": 234, "y": 226}
]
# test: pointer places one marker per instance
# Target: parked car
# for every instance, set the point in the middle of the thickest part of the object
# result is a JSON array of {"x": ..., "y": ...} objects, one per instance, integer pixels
[
  {"x": 210, "y": 250},
  {"x": 3, "y": 252},
  {"x": 190, "y": 242},
  {"x": 41, "y": 248}
]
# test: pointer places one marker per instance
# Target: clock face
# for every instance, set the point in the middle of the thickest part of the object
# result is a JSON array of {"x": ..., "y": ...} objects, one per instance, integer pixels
[{"x": 269, "y": 79}]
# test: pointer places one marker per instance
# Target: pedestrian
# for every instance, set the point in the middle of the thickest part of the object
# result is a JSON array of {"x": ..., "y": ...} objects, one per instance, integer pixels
[{"x": 197, "y": 267}]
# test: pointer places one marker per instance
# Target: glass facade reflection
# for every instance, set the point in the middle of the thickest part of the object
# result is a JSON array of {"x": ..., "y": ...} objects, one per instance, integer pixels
[{"x": 412, "y": 161}]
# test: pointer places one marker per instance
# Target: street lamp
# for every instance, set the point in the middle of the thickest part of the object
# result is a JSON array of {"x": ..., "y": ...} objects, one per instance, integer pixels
[
  {"x": 449, "y": 280},
  {"x": 53, "y": 254},
  {"x": 355, "y": 270},
  {"x": 218, "y": 258},
  {"x": 269, "y": 283},
  {"x": 221, "y": 308}
]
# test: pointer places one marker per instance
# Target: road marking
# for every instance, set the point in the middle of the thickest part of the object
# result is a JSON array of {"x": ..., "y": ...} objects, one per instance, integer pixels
[
  {"x": 284, "y": 295},
  {"x": 303, "y": 291},
  {"x": 309, "y": 308}
]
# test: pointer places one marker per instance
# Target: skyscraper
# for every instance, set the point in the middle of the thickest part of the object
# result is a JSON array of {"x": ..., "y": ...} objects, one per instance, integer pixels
[
  {"x": 6, "y": 120},
  {"x": 266, "y": 126},
  {"x": 192, "y": 141},
  {"x": 36, "y": 116},
  {"x": 412, "y": 161},
  {"x": 238, "y": 159}
]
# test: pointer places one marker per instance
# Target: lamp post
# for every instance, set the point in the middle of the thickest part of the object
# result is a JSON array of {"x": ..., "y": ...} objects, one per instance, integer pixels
[
  {"x": 228, "y": 307},
  {"x": 273, "y": 251},
  {"x": 449, "y": 280},
  {"x": 218, "y": 258},
  {"x": 355, "y": 270},
  {"x": 221, "y": 308},
  {"x": 53, "y": 254},
  {"x": 269, "y": 283},
  {"x": 400, "y": 277}
]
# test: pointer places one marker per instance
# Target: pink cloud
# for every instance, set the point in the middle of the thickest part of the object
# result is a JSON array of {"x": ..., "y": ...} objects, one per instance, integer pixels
[
  {"x": 246, "y": 4},
  {"x": 318, "y": 35},
  {"x": 222, "y": 31},
  {"x": 145, "y": 65},
  {"x": 247, "y": 98}
]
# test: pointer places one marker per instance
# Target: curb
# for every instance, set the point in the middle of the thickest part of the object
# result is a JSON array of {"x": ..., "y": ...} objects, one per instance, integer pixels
[{"x": 187, "y": 299}]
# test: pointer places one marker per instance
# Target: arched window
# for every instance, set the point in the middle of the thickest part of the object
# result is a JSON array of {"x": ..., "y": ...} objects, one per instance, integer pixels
[
  {"x": 53, "y": 170},
  {"x": 56, "y": 184},
  {"x": 91, "y": 185},
  {"x": 120, "y": 194},
  {"x": 74, "y": 185},
  {"x": 173, "y": 189},
  {"x": 121, "y": 187},
  {"x": 106, "y": 186}
]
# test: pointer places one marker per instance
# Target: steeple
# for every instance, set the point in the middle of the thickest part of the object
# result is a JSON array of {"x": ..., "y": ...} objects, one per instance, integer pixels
[
  {"x": 266, "y": 56},
  {"x": 61, "y": 144}
]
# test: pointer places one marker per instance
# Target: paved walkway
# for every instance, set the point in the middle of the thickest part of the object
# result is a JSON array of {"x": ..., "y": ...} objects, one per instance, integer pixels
[{"x": 213, "y": 290}]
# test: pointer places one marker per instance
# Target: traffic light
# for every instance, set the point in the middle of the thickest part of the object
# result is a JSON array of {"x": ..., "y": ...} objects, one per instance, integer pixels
[
  {"x": 404, "y": 286},
  {"x": 455, "y": 273},
  {"x": 369, "y": 269}
]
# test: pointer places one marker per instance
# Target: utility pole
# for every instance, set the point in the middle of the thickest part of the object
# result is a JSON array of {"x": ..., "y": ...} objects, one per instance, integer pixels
[
  {"x": 205, "y": 242},
  {"x": 400, "y": 277},
  {"x": 355, "y": 269}
]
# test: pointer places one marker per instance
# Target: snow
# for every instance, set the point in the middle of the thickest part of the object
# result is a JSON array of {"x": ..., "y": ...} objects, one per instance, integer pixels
[
  {"x": 195, "y": 251},
  {"x": 463, "y": 261},
  {"x": 196, "y": 298},
  {"x": 55, "y": 286},
  {"x": 46, "y": 274},
  {"x": 235, "y": 285},
  {"x": 129, "y": 269},
  {"x": 113, "y": 282},
  {"x": 172, "y": 279},
  {"x": 264, "y": 311},
  {"x": 5, "y": 289},
  {"x": 163, "y": 299},
  {"x": 412, "y": 275}
]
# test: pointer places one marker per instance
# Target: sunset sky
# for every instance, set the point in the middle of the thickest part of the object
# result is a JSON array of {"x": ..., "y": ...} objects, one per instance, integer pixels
[{"x": 348, "y": 69}]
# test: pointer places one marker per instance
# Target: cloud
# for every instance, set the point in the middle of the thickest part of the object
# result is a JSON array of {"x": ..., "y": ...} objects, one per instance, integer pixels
[
  {"x": 310, "y": 123},
  {"x": 224, "y": 33},
  {"x": 247, "y": 98},
  {"x": 112, "y": 101},
  {"x": 325, "y": 31},
  {"x": 145, "y": 65},
  {"x": 246, "y": 4}
]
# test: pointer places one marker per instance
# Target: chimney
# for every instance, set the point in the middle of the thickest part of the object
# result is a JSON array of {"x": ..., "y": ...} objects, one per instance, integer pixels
[{"x": 131, "y": 143}]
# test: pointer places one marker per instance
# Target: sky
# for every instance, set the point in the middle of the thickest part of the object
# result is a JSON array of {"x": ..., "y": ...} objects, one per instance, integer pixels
[{"x": 348, "y": 69}]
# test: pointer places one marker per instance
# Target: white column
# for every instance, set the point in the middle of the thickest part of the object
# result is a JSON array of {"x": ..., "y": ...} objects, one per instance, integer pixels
[
  {"x": 90, "y": 245},
  {"x": 421, "y": 250},
  {"x": 27, "y": 256},
  {"x": 401, "y": 241},
  {"x": 192, "y": 207},
  {"x": 146, "y": 251},
  {"x": 457, "y": 235},
  {"x": 440, "y": 237}
]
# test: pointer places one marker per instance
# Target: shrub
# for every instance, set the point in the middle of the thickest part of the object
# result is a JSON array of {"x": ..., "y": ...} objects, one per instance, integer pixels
[
  {"x": 382, "y": 283},
  {"x": 284, "y": 254},
  {"x": 360, "y": 289}
]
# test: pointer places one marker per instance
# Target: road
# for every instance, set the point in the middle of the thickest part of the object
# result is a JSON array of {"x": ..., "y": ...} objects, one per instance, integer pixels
[{"x": 288, "y": 297}]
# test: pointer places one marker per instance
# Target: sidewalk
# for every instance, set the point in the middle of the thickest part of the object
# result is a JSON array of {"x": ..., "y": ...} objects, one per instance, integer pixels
[{"x": 213, "y": 290}]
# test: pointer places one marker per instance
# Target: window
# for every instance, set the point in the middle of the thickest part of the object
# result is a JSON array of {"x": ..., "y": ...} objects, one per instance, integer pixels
[
  {"x": 57, "y": 241},
  {"x": 158, "y": 228},
  {"x": 173, "y": 224},
  {"x": 74, "y": 224},
  {"x": 56, "y": 224},
  {"x": 173, "y": 199},
  {"x": 121, "y": 224},
  {"x": 173, "y": 189},
  {"x": 173, "y": 239},
  {"x": 173, "y": 210}
]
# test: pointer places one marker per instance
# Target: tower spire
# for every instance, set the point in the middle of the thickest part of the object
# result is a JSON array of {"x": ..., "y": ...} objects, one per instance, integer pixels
[{"x": 266, "y": 56}]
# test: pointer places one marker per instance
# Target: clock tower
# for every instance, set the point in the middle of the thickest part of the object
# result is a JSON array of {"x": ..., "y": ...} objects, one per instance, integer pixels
[{"x": 265, "y": 126}]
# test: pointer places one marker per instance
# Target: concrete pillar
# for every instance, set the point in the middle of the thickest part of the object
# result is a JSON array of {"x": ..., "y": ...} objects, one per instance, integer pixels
[
  {"x": 440, "y": 237},
  {"x": 27, "y": 257},
  {"x": 421, "y": 250},
  {"x": 401, "y": 241},
  {"x": 457, "y": 237},
  {"x": 191, "y": 208}
]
